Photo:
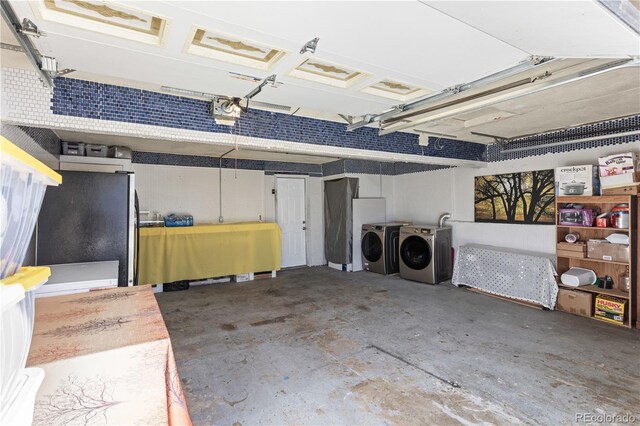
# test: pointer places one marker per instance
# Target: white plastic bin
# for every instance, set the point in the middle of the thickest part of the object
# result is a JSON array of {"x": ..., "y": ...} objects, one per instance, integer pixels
[
  {"x": 19, "y": 408},
  {"x": 578, "y": 276},
  {"x": 23, "y": 181},
  {"x": 17, "y": 300}
]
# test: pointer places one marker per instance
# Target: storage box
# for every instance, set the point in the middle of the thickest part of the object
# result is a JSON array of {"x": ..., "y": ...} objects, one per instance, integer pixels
[
  {"x": 264, "y": 275},
  {"x": 174, "y": 220},
  {"x": 615, "y": 181},
  {"x": 120, "y": 152},
  {"x": 96, "y": 150},
  {"x": 73, "y": 148},
  {"x": 575, "y": 250},
  {"x": 617, "y": 164},
  {"x": 575, "y": 302},
  {"x": 577, "y": 180},
  {"x": 610, "y": 308},
  {"x": 622, "y": 190},
  {"x": 604, "y": 250},
  {"x": 24, "y": 181},
  {"x": 243, "y": 277}
]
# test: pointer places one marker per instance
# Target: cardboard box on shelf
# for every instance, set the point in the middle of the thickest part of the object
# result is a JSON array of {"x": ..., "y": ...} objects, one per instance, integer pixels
[
  {"x": 608, "y": 316},
  {"x": 573, "y": 250},
  {"x": 617, "y": 164},
  {"x": 579, "y": 246},
  {"x": 622, "y": 190},
  {"x": 577, "y": 180},
  {"x": 610, "y": 308},
  {"x": 604, "y": 250},
  {"x": 575, "y": 302},
  {"x": 616, "y": 181}
]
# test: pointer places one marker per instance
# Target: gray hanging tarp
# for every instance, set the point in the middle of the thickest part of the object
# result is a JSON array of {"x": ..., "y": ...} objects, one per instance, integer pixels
[{"x": 338, "y": 219}]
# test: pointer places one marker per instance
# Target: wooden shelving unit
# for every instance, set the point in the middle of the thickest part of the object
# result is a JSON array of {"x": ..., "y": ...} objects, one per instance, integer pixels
[{"x": 614, "y": 269}]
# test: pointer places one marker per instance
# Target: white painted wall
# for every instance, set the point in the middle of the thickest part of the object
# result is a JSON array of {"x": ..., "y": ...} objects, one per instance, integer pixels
[
  {"x": 419, "y": 197},
  {"x": 422, "y": 197},
  {"x": 195, "y": 190}
]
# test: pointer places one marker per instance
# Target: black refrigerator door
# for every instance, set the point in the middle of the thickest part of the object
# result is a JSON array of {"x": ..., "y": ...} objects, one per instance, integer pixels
[{"x": 85, "y": 220}]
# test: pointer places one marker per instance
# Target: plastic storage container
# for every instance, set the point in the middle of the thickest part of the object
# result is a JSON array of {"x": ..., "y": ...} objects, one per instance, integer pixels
[
  {"x": 23, "y": 181},
  {"x": 18, "y": 409},
  {"x": 96, "y": 150},
  {"x": 73, "y": 148},
  {"x": 17, "y": 299},
  {"x": 578, "y": 276},
  {"x": 174, "y": 220},
  {"x": 120, "y": 152}
]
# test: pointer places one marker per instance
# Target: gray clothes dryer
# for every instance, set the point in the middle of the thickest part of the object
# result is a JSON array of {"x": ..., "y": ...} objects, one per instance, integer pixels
[
  {"x": 379, "y": 243},
  {"x": 425, "y": 253}
]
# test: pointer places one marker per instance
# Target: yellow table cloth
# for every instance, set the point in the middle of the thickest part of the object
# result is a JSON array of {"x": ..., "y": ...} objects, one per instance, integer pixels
[{"x": 205, "y": 251}]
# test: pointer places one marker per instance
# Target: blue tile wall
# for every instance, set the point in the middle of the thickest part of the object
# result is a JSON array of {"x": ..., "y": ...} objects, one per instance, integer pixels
[
  {"x": 108, "y": 102},
  {"x": 45, "y": 138},
  {"x": 87, "y": 99},
  {"x": 496, "y": 152}
]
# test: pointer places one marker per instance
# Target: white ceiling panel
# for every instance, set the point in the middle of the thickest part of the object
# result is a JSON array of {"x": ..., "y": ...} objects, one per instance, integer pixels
[
  {"x": 154, "y": 70},
  {"x": 403, "y": 37},
  {"x": 578, "y": 28}
]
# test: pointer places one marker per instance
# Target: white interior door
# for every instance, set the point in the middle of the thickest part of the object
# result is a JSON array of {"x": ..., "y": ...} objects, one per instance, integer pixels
[{"x": 291, "y": 215}]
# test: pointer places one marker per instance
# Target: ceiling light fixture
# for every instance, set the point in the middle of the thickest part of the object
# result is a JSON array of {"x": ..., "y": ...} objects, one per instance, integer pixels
[{"x": 310, "y": 46}]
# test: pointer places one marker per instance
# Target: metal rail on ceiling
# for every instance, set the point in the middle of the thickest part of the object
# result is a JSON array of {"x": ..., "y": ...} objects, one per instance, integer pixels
[
  {"x": 16, "y": 28},
  {"x": 523, "y": 91}
]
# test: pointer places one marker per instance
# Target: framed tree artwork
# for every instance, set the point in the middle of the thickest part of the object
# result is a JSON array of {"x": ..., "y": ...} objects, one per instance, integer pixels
[{"x": 523, "y": 197}]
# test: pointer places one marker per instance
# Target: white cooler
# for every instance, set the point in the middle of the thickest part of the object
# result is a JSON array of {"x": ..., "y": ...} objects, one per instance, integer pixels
[{"x": 80, "y": 277}]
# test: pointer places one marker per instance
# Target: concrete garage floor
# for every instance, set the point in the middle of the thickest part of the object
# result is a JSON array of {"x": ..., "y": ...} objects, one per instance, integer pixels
[{"x": 318, "y": 346}]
